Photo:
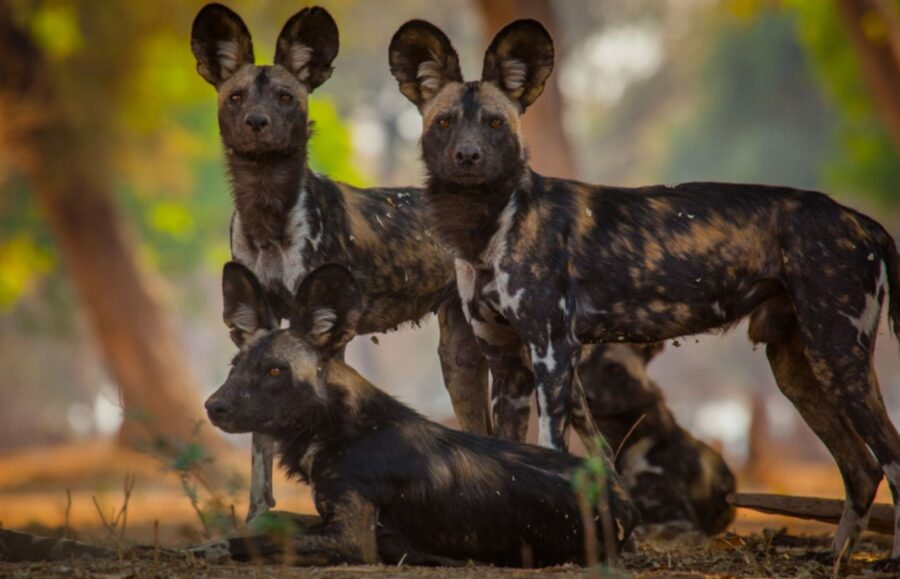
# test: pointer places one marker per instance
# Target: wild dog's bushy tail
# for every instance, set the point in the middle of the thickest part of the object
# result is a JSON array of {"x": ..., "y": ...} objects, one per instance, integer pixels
[{"x": 893, "y": 267}]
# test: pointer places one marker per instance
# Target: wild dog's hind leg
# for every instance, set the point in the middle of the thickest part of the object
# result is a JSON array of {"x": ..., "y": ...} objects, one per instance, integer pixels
[
  {"x": 848, "y": 373},
  {"x": 465, "y": 369},
  {"x": 775, "y": 324},
  {"x": 261, "y": 498}
]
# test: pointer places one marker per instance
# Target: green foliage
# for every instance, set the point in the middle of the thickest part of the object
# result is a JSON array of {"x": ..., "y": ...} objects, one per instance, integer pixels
[
  {"x": 784, "y": 102},
  {"x": 26, "y": 253},
  {"x": 281, "y": 525},
  {"x": 188, "y": 460},
  {"x": 589, "y": 479},
  {"x": 331, "y": 147},
  {"x": 760, "y": 115},
  {"x": 55, "y": 28},
  {"x": 862, "y": 158}
]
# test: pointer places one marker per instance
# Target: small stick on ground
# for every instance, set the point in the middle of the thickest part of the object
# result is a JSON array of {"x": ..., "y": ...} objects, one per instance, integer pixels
[
  {"x": 68, "y": 529},
  {"x": 881, "y": 519},
  {"x": 119, "y": 518},
  {"x": 155, "y": 547}
]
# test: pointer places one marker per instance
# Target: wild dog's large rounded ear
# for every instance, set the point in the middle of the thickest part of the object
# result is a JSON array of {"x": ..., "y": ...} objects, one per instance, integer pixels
[
  {"x": 245, "y": 311},
  {"x": 422, "y": 60},
  {"x": 327, "y": 306},
  {"x": 307, "y": 45},
  {"x": 220, "y": 42},
  {"x": 519, "y": 61}
]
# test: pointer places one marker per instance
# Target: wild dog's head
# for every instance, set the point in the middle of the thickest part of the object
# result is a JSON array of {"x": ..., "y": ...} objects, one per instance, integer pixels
[
  {"x": 615, "y": 381},
  {"x": 279, "y": 379},
  {"x": 263, "y": 109},
  {"x": 470, "y": 133}
]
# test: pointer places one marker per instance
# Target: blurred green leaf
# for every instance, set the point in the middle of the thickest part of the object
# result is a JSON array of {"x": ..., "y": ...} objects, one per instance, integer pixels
[
  {"x": 331, "y": 147},
  {"x": 55, "y": 28},
  {"x": 23, "y": 263}
]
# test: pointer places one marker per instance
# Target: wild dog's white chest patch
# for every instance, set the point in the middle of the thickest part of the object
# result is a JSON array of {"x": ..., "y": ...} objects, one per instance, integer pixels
[
  {"x": 280, "y": 264},
  {"x": 500, "y": 290}
]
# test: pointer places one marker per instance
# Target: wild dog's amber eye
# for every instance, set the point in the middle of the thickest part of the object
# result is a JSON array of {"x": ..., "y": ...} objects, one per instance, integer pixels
[
  {"x": 495, "y": 123},
  {"x": 444, "y": 123},
  {"x": 274, "y": 372},
  {"x": 285, "y": 97},
  {"x": 236, "y": 97}
]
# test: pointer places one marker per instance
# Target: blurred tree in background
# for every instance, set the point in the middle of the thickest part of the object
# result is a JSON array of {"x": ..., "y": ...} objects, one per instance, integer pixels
[
  {"x": 864, "y": 158},
  {"x": 112, "y": 167}
]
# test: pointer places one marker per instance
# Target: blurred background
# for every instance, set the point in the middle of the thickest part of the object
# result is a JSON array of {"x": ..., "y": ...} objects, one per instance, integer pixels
[{"x": 114, "y": 211}]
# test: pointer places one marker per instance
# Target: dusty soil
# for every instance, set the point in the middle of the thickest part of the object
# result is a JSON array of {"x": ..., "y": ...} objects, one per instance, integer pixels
[
  {"x": 33, "y": 498},
  {"x": 770, "y": 554}
]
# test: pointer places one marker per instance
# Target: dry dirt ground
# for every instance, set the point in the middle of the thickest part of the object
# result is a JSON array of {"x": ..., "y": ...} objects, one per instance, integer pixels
[{"x": 33, "y": 498}]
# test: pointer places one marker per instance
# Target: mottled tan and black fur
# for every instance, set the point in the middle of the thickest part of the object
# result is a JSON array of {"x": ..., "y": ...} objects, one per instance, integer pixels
[
  {"x": 671, "y": 476},
  {"x": 390, "y": 485},
  {"x": 289, "y": 220},
  {"x": 545, "y": 264}
]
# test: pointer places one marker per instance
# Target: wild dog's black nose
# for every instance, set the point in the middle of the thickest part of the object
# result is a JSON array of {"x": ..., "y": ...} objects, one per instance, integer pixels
[
  {"x": 217, "y": 408},
  {"x": 468, "y": 155},
  {"x": 257, "y": 122}
]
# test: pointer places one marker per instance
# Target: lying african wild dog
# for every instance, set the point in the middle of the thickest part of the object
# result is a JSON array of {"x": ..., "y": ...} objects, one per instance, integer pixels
[
  {"x": 544, "y": 265},
  {"x": 289, "y": 220},
  {"x": 670, "y": 475},
  {"x": 374, "y": 463}
]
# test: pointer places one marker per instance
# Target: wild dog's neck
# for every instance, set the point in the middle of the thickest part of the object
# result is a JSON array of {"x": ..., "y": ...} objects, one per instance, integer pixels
[
  {"x": 466, "y": 218},
  {"x": 265, "y": 189},
  {"x": 350, "y": 407}
]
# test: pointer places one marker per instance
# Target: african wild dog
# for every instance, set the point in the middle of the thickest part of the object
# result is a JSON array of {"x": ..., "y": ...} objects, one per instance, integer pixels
[
  {"x": 544, "y": 265},
  {"x": 374, "y": 463},
  {"x": 670, "y": 475},
  {"x": 288, "y": 220}
]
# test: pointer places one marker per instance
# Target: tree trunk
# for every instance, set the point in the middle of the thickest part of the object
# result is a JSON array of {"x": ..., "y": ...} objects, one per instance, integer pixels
[
  {"x": 878, "y": 56},
  {"x": 67, "y": 165},
  {"x": 542, "y": 126}
]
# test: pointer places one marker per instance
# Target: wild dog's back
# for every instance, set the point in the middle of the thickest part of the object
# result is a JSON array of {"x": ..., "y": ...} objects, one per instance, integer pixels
[{"x": 462, "y": 496}]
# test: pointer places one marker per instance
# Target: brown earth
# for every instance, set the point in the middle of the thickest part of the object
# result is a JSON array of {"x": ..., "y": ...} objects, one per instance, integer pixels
[{"x": 33, "y": 498}]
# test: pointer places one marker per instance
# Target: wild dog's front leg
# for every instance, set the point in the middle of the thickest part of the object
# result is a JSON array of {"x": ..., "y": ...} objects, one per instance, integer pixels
[
  {"x": 553, "y": 361},
  {"x": 347, "y": 537},
  {"x": 261, "y": 498},
  {"x": 511, "y": 393},
  {"x": 513, "y": 382},
  {"x": 465, "y": 369}
]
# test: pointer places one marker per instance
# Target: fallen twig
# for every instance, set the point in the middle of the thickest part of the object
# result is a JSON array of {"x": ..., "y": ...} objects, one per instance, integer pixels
[{"x": 881, "y": 518}]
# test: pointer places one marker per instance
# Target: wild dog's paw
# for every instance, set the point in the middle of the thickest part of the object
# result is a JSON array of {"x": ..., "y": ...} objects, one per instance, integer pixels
[{"x": 215, "y": 551}]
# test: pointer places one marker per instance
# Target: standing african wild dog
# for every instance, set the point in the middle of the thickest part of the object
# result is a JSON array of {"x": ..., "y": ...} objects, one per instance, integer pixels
[
  {"x": 546, "y": 264},
  {"x": 670, "y": 475},
  {"x": 288, "y": 220},
  {"x": 385, "y": 480}
]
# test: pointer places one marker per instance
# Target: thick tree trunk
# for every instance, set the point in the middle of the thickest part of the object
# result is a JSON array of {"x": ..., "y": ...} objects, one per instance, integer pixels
[
  {"x": 542, "y": 126},
  {"x": 67, "y": 165},
  {"x": 878, "y": 55}
]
